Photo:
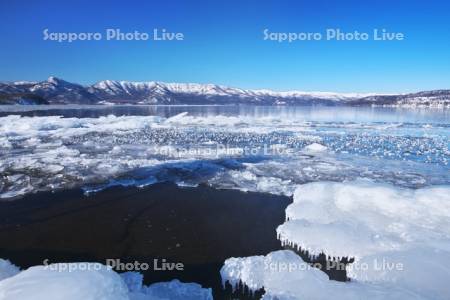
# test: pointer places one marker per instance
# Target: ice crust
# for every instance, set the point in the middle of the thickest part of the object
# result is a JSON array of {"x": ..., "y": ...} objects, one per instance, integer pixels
[
  {"x": 40, "y": 283},
  {"x": 164, "y": 290},
  {"x": 269, "y": 154},
  {"x": 361, "y": 218},
  {"x": 89, "y": 281},
  {"x": 285, "y": 276},
  {"x": 399, "y": 238}
]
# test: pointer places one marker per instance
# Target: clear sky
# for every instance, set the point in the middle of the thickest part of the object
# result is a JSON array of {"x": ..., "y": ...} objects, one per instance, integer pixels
[{"x": 224, "y": 43}]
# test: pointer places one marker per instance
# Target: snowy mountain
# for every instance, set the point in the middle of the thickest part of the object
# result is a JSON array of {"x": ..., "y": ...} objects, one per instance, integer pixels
[
  {"x": 58, "y": 91},
  {"x": 191, "y": 93}
]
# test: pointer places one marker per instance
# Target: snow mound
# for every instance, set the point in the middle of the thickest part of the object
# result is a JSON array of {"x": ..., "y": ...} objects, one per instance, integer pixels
[
  {"x": 361, "y": 218},
  {"x": 92, "y": 282},
  {"x": 89, "y": 281},
  {"x": 395, "y": 234},
  {"x": 285, "y": 276}
]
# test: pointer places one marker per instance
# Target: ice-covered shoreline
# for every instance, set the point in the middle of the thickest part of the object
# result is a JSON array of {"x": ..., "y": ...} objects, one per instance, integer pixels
[{"x": 367, "y": 190}]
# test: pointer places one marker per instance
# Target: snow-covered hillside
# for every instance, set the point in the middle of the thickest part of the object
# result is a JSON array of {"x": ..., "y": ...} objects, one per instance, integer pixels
[{"x": 58, "y": 91}]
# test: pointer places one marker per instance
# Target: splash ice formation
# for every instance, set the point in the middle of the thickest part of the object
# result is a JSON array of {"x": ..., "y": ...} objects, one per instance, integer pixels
[{"x": 399, "y": 238}]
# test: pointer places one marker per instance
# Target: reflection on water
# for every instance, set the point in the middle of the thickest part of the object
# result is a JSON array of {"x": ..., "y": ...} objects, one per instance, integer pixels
[{"x": 315, "y": 113}]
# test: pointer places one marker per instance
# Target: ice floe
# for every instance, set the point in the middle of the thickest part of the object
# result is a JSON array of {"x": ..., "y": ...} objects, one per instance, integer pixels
[{"x": 269, "y": 154}]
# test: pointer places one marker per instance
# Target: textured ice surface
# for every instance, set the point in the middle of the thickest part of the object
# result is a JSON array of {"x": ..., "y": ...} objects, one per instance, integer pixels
[
  {"x": 395, "y": 234},
  {"x": 285, "y": 276},
  {"x": 361, "y": 218},
  {"x": 399, "y": 237},
  {"x": 270, "y": 154},
  {"x": 173, "y": 290},
  {"x": 90, "y": 281}
]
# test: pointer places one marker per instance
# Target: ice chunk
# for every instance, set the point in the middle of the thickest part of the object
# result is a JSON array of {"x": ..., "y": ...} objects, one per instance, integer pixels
[
  {"x": 65, "y": 281},
  {"x": 285, "y": 276},
  {"x": 173, "y": 290},
  {"x": 380, "y": 216},
  {"x": 423, "y": 269},
  {"x": 396, "y": 234},
  {"x": 7, "y": 269},
  {"x": 315, "y": 147},
  {"x": 133, "y": 280},
  {"x": 90, "y": 281}
]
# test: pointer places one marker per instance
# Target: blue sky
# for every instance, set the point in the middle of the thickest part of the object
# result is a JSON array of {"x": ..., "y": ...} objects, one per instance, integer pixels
[{"x": 224, "y": 44}]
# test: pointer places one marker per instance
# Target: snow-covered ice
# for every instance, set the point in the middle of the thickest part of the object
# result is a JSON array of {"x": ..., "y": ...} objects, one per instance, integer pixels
[
  {"x": 395, "y": 234},
  {"x": 271, "y": 153},
  {"x": 96, "y": 282},
  {"x": 360, "y": 218},
  {"x": 315, "y": 147},
  {"x": 89, "y": 281},
  {"x": 174, "y": 289},
  {"x": 399, "y": 238},
  {"x": 377, "y": 191},
  {"x": 285, "y": 276}
]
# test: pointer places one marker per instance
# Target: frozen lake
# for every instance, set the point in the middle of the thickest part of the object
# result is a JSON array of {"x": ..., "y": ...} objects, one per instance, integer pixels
[
  {"x": 268, "y": 149},
  {"x": 372, "y": 184}
]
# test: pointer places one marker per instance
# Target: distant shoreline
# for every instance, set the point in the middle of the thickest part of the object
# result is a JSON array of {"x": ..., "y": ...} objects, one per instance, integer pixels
[{"x": 58, "y": 91}]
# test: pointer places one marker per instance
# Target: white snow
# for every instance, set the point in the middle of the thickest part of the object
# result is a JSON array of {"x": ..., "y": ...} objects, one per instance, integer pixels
[
  {"x": 362, "y": 218},
  {"x": 89, "y": 281},
  {"x": 112, "y": 87},
  {"x": 395, "y": 234},
  {"x": 315, "y": 147},
  {"x": 399, "y": 237},
  {"x": 96, "y": 282},
  {"x": 285, "y": 276}
]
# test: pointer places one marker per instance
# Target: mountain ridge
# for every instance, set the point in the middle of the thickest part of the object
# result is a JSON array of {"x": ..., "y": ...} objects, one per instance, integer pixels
[{"x": 58, "y": 91}]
